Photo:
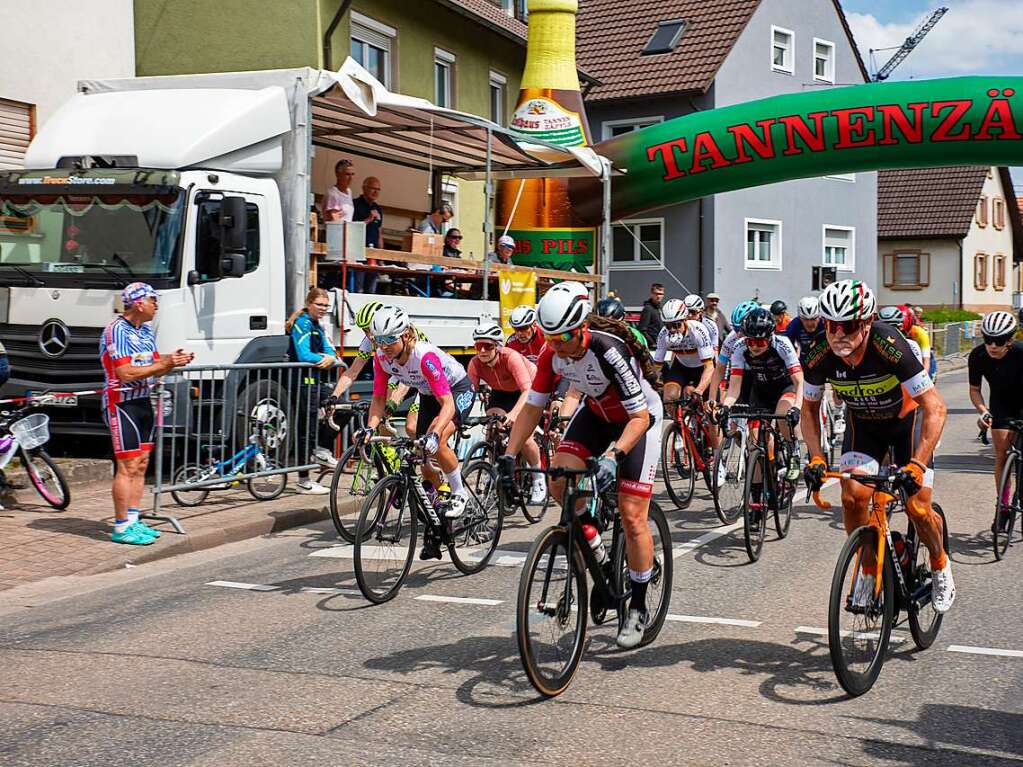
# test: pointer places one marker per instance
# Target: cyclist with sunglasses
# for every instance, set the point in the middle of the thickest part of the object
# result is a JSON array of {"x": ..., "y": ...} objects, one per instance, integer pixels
[
  {"x": 620, "y": 421},
  {"x": 999, "y": 362},
  {"x": 510, "y": 377},
  {"x": 692, "y": 364},
  {"x": 891, "y": 404},
  {"x": 722, "y": 368},
  {"x": 526, "y": 338},
  {"x": 695, "y": 307}
]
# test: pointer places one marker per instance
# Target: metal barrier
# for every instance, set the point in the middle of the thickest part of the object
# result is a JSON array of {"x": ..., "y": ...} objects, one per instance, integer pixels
[
  {"x": 221, "y": 425},
  {"x": 954, "y": 339}
]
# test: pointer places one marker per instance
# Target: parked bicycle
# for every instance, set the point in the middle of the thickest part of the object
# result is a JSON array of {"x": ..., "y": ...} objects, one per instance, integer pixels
[
  {"x": 685, "y": 450},
  {"x": 860, "y": 619},
  {"x": 388, "y": 527},
  {"x": 23, "y": 433},
  {"x": 1007, "y": 499},
  {"x": 553, "y": 599}
]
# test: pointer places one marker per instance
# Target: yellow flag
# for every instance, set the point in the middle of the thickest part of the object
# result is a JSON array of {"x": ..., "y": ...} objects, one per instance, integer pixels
[{"x": 517, "y": 288}]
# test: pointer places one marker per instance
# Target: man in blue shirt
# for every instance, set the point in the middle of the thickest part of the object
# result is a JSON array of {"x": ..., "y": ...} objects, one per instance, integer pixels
[
  {"x": 368, "y": 210},
  {"x": 806, "y": 328}
]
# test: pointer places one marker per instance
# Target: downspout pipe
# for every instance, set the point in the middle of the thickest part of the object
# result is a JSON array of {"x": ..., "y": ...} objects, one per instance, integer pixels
[{"x": 328, "y": 51}]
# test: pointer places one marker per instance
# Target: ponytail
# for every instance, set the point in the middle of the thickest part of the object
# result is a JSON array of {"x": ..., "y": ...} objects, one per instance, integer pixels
[{"x": 623, "y": 332}]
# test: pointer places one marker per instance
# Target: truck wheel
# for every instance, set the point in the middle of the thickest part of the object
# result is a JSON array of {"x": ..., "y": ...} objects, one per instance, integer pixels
[{"x": 264, "y": 407}]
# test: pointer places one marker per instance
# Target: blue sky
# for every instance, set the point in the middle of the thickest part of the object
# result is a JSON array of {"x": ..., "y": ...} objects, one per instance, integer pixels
[{"x": 974, "y": 37}]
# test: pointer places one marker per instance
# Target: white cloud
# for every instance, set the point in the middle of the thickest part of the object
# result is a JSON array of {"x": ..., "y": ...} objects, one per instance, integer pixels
[{"x": 974, "y": 37}]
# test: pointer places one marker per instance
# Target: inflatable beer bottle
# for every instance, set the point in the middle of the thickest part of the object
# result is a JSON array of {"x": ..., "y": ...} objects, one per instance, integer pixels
[{"x": 550, "y": 108}]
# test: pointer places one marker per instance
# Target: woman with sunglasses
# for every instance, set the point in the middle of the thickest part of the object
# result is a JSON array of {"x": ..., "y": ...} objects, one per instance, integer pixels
[
  {"x": 526, "y": 337},
  {"x": 999, "y": 362},
  {"x": 695, "y": 306},
  {"x": 891, "y": 405},
  {"x": 620, "y": 422},
  {"x": 510, "y": 377}
]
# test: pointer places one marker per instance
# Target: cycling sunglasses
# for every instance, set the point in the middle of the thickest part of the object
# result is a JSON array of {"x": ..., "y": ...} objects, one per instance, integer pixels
[
  {"x": 387, "y": 340},
  {"x": 757, "y": 343},
  {"x": 672, "y": 326},
  {"x": 485, "y": 346},
  {"x": 848, "y": 327},
  {"x": 565, "y": 337},
  {"x": 998, "y": 340}
]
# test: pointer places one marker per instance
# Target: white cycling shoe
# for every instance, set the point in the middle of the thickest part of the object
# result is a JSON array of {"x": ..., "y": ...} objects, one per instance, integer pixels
[
  {"x": 632, "y": 632},
  {"x": 943, "y": 588},
  {"x": 538, "y": 493},
  {"x": 454, "y": 506}
]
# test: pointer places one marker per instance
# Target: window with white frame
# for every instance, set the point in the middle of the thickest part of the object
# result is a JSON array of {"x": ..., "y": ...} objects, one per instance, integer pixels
[
  {"x": 443, "y": 77},
  {"x": 823, "y": 61},
  {"x": 612, "y": 128},
  {"x": 371, "y": 45},
  {"x": 763, "y": 244},
  {"x": 839, "y": 247},
  {"x": 498, "y": 96},
  {"x": 783, "y": 50},
  {"x": 638, "y": 243}
]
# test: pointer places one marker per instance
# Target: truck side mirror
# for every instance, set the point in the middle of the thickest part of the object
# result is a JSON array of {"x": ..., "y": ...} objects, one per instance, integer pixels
[
  {"x": 233, "y": 237},
  {"x": 232, "y": 265}
]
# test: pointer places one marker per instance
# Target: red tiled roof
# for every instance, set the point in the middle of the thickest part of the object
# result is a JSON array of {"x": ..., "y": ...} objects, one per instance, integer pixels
[
  {"x": 612, "y": 34},
  {"x": 493, "y": 16},
  {"x": 928, "y": 202}
]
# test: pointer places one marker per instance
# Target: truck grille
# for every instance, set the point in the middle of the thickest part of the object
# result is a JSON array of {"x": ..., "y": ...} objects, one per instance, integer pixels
[{"x": 78, "y": 367}]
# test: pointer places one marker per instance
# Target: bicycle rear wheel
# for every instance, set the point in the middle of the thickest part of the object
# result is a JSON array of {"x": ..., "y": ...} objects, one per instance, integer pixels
[
  {"x": 385, "y": 540},
  {"x": 785, "y": 490},
  {"x": 730, "y": 478},
  {"x": 658, "y": 593},
  {"x": 270, "y": 486},
  {"x": 1005, "y": 513},
  {"x": 924, "y": 621},
  {"x": 354, "y": 477},
  {"x": 479, "y": 531},
  {"x": 754, "y": 511},
  {"x": 190, "y": 472},
  {"x": 46, "y": 478},
  {"x": 677, "y": 466},
  {"x": 550, "y": 613},
  {"x": 858, "y": 634}
]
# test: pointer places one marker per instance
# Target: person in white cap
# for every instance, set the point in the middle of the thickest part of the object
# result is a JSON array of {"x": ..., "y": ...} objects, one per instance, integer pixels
[
  {"x": 505, "y": 250},
  {"x": 712, "y": 312}
]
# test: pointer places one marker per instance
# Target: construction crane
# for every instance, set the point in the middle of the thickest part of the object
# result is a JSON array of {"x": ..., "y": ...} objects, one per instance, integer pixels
[{"x": 907, "y": 47}]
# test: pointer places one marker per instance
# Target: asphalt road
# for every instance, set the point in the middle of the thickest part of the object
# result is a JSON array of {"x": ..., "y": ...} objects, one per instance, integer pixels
[{"x": 260, "y": 653}]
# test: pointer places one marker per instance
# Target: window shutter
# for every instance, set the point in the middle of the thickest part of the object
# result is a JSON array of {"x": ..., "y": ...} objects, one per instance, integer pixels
[
  {"x": 889, "y": 269},
  {"x": 16, "y": 125},
  {"x": 925, "y": 269}
]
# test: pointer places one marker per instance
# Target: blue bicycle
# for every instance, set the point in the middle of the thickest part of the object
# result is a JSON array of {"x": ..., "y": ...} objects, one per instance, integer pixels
[{"x": 252, "y": 459}]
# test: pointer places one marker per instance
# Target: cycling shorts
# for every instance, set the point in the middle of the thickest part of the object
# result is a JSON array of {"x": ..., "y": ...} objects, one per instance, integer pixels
[
  {"x": 429, "y": 407},
  {"x": 132, "y": 425},
  {"x": 867, "y": 443},
  {"x": 677, "y": 373},
  {"x": 504, "y": 400},
  {"x": 1002, "y": 420},
  {"x": 590, "y": 435},
  {"x": 767, "y": 397}
]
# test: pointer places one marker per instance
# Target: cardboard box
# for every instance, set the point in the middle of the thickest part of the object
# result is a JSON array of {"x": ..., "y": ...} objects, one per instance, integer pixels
[{"x": 431, "y": 245}]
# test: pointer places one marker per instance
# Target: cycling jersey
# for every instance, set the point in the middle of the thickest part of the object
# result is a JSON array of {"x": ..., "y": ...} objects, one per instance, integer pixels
[
  {"x": 367, "y": 347},
  {"x": 1003, "y": 379},
  {"x": 919, "y": 334},
  {"x": 510, "y": 372},
  {"x": 607, "y": 374},
  {"x": 428, "y": 370},
  {"x": 881, "y": 387},
  {"x": 782, "y": 323},
  {"x": 728, "y": 347},
  {"x": 802, "y": 338},
  {"x": 531, "y": 351},
  {"x": 712, "y": 331},
  {"x": 691, "y": 347},
  {"x": 774, "y": 367},
  {"x": 124, "y": 344}
]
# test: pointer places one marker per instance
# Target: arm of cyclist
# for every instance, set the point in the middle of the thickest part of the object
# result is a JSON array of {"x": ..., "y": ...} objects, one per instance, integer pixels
[
  {"x": 571, "y": 402},
  {"x": 163, "y": 365},
  {"x": 378, "y": 407},
  {"x": 977, "y": 400},
  {"x": 524, "y": 424},
  {"x": 934, "y": 413},
  {"x": 349, "y": 376},
  {"x": 706, "y": 377}
]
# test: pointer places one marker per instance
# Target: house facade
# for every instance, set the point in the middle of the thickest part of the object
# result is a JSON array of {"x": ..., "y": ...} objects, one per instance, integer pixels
[
  {"x": 949, "y": 237},
  {"x": 755, "y": 243}
]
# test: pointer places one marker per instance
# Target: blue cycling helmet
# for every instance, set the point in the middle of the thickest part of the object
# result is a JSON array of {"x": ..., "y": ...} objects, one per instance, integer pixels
[{"x": 739, "y": 312}]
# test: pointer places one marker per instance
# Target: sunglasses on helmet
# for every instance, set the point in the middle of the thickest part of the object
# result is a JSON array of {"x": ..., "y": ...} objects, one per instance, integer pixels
[{"x": 848, "y": 327}]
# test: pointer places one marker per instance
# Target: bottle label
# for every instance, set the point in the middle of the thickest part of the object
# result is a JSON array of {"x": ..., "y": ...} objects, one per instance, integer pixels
[{"x": 546, "y": 120}]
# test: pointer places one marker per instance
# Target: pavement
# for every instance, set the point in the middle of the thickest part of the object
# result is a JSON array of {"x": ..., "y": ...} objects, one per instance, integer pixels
[{"x": 263, "y": 652}]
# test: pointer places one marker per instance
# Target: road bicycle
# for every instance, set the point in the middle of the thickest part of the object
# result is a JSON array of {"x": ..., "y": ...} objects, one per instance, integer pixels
[
  {"x": 388, "y": 527},
  {"x": 765, "y": 486},
  {"x": 860, "y": 624},
  {"x": 832, "y": 423},
  {"x": 23, "y": 434},
  {"x": 553, "y": 599},
  {"x": 1007, "y": 499},
  {"x": 265, "y": 480},
  {"x": 686, "y": 449},
  {"x": 494, "y": 445}
]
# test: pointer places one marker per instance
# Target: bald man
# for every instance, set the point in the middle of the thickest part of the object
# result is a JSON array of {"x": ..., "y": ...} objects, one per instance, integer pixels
[{"x": 368, "y": 210}]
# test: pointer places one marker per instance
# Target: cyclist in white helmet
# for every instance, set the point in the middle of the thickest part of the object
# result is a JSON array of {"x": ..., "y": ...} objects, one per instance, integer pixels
[
  {"x": 892, "y": 403},
  {"x": 526, "y": 339},
  {"x": 696, "y": 307}
]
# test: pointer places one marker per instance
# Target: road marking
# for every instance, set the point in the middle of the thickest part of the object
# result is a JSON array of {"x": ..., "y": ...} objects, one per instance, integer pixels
[
  {"x": 720, "y": 621},
  {"x": 684, "y": 548},
  {"x": 853, "y": 634},
  {"x": 347, "y": 551},
  {"x": 320, "y": 590},
  {"x": 985, "y": 651},
  {"x": 459, "y": 600},
  {"x": 245, "y": 586}
]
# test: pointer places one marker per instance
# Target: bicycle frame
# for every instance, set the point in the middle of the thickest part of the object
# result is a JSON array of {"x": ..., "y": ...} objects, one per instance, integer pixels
[{"x": 688, "y": 407}]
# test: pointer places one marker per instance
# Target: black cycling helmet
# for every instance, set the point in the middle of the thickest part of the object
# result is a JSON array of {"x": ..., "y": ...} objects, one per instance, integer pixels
[
  {"x": 758, "y": 324},
  {"x": 612, "y": 308},
  {"x": 779, "y": 308}
]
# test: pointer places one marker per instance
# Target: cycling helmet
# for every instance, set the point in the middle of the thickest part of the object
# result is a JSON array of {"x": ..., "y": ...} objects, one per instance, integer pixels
[
  {"x": 522, "y": 317},
  {"x": 572, "y": 288},
  {"x": 673, "y": 310},
  {"x": 892, "y": 315},
  {"x": 809, "y": 308},
  {"x": 488, "y": 330},
  {"x": 612, "y": 308},
  {"x": 847, "y": 300},
  {"x": 365, "y": 315},
  {"x": 693, "y": 303},
  {"x": 998, "y": 324},
  {"x": 759, "y": 323},
  {"x": 390, "y": 321},
  {"x": 739, "y": 312},
  {"x": 779, "y": 308},
  {"x": 563, "y": 308}
]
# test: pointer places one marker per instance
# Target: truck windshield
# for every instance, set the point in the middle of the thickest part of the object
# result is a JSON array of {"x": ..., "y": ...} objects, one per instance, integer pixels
[{"x": 81, "y": 239}]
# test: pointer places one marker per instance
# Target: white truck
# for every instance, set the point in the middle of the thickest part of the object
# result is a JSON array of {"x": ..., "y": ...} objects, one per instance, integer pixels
[{"x": 199, "y": 185}]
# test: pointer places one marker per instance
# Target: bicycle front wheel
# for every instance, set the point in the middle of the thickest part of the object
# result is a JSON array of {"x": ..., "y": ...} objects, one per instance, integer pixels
[
  {"x": 860, "y": 624},
  {"x": 47, "y": 478},
  {"x": 478, "y": 530},
  {"x": 550, "y": 614},
  {"x": 1005, "y": 511},
  {"x": 924, "y": 621},
  {"x": 385, "y": 540},
  {"x": 677, "y": 467},
  {"x": 730, "y": 478},
  {"x": 354, "y": 478},
  {"x": 754, "y": 509}
]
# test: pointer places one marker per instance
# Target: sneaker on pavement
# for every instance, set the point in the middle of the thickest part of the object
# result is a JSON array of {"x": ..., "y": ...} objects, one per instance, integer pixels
[
  {"x": 538, "y": 493},
  {"x": 132, "y": 537},
  {"x": 324, "y": 457},
  {"x": 943, "y": 588},
  {"x": 454, "y": 506},
  {"x": 863, "y": 593},
  {"x": 308, "y": 487},
  {"x": 144, "y": 528},
  {"x": 632, "y": 632},
  {"x": 431, "y": 549}
]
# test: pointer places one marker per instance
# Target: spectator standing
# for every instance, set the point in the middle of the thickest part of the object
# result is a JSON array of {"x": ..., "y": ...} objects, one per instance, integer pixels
[
  {"x": 368, "y": 210},
  {"x": 437, "y": 220},
  {"x": 339, "y": 205},
  {"x": 127, "y": 351},
  {"x": 650, "y": 318},
  {"x": 310, "y": 344},
  {"x": 713, "y": 312}
]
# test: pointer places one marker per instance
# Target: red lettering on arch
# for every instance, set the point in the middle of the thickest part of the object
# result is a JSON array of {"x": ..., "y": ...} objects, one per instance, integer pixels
[
  {"x": 812, "y": 138},
  {"x": 958, "y": 108},
  {"x": 762, "y": 144},
  {"x": 854, "y": 127},
  {"x": 999, "y": 115},
  {"x": 706, "y": 148},
  {"x": 667, "y": 153},
  {"x": 911, "y": 128}
]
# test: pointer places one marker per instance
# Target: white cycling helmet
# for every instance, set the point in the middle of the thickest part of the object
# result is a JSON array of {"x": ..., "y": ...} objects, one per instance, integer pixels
[
  {"x": 998, "y": 324},
  {"x": 522, "y": 317},
  {"x": 809, "y": 308},
  {"x": 693, "y": 303},
  {"x": 674, "y": 310},
  {"x": 389, "y": 321},
  {"x": 563, "y": 308},
  {"x": 847, "y": 300},
  {"x": 488, "y": 330},
  {"x": 892, "y": 315}
]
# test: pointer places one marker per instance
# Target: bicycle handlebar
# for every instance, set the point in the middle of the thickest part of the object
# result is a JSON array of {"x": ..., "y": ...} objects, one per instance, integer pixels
[{"x": 883, "y": 481}]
